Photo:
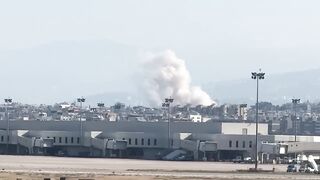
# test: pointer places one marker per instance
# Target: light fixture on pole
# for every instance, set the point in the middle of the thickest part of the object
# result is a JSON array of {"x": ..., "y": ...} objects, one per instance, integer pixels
[
  {"x": 257, "y": 76},
  {"x": 81, "y": 100},
  {"x": 100, "y": 105},
  {"x": 166, "y": 104}
]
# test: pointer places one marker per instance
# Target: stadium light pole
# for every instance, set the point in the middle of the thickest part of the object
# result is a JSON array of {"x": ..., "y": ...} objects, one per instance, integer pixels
[
  {"x": 166, "y": 104},
  {"x": 294, "y": 103},
  {"x": 257, "y": 76},
  {"x": 7, "y": 102},
  {"x": 81, "y": 100},
  {"x": 101, "y": 105}
]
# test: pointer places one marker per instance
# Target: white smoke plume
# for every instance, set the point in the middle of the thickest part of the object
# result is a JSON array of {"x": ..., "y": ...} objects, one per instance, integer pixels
[{"x": 167, "y": 76}]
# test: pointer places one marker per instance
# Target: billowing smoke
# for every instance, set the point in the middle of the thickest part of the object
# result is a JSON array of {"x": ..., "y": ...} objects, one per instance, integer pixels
[{"x": 167, "y": 76}]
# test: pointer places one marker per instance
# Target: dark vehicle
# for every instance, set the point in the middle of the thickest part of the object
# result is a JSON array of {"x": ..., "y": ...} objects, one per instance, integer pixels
[
  {"x": 238, "y": 159},
  {"x": 303, "y": 168},
  {"x": 291, "y": 168},
  {"x": 183, "y": 157},
  {"x": 61, "y": 153}
]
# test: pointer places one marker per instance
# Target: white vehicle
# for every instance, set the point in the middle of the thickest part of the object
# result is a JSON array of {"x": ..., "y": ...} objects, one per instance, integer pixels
[
  {"x": 310, "y": 170},
  {"x": 308, "y": 164},
  {"x": 314, "y": 166},
  {"x": 248, "y": 160}
]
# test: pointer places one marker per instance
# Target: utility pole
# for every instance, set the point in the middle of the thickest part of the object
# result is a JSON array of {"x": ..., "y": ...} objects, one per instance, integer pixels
[
  {"x": 100, "y": 105},
  {"x": 81, "y": 100},
  {"x": 257, "y": 76},
  {"x": 294, "y": 103},
  {"x": 166, "y": 104},
  {"x": 7, "y": 102}
]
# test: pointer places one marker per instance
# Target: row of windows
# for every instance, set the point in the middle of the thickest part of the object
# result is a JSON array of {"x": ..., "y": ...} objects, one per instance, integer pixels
[
  {"x": 142, "y": 141},
  {"x": 72, "y": 140},
  {"x": 243, "y": 144},
  {"x": 55, "y": 139}
]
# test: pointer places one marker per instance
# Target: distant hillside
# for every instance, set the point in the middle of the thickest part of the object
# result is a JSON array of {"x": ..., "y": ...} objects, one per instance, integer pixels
[
  {"x": 65, "y": 70},
  {"x": 278, "y": 89},
  {"x": 107, "y": 70},
  {"x": 111, "y": 98}
]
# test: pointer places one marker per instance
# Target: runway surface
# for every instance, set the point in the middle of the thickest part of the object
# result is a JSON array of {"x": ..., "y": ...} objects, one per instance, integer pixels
[{"x": 39, "y": 167}]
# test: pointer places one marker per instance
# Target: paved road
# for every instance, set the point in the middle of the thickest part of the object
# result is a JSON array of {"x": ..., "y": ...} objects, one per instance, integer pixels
[{"x": 142, "y": 168}]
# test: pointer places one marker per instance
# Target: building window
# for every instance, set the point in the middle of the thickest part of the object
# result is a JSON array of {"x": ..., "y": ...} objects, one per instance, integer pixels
[
  {"x": 60, "y": 140},
  {"x": 155, "y": 142},
  {"x": 142, "y": 142},
  {"x": 72, "y": 140},
  {"x": 230, "y": 143},
  {"x": 54, "y": 139},
  {"x": 250, "y": 144},
  {"x": 78, "y": 140},
  {"x": 149, "y": 142},
  {"x": 129, "y": 141},
  {"x": 237, "y": 144},
  {"x": 66, "y": 140},
  {"x": 2, "y": 138},
  {"x": 244, "y": 144},
  {"x": 136, "y": 141}
]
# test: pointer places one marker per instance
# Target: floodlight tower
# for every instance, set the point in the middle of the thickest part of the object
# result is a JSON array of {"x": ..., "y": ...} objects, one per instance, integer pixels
[
  {"x": 81, "y": 100},
  {"x": 257, "y": 76},
  {"x": 7, "y": 101},
  {"x": 166, "y": 104},
  {"x": 294, "y": 103}
]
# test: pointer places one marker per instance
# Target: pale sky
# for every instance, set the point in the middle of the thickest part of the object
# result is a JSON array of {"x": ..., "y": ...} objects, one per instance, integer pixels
[{"x": 220, "y": 40}]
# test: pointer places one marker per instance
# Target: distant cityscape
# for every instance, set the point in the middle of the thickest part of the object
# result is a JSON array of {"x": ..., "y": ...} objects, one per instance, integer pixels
[{"x": 280, "y": 118}]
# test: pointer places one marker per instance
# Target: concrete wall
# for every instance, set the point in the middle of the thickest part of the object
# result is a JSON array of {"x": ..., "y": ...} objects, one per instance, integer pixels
[
  {"x": 66, "y": 137},
  {"x": 147, "y": 127},
  {"x": 146, "y": 134},
  {"x": 305, "y": 147},
  {"x": 223, "y": 141},
  {"x": 152, "y": 127},
  {"x": 243, "y": 128},
  {"x": 157, "y": 140},
  {"x": 290, "y": 138}
]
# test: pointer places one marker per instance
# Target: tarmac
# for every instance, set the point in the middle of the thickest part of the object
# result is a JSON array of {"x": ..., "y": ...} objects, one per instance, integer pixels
[{"x": 41, "y": 167}]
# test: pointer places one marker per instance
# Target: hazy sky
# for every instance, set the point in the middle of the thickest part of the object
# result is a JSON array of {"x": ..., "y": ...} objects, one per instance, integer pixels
[{"x": 219, "y": 40}]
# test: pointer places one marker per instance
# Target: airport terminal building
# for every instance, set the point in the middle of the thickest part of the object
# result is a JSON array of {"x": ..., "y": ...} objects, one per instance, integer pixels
[{"x": 210, "y": 140}]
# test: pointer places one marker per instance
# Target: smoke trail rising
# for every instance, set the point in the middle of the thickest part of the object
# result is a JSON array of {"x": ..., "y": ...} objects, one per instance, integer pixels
[{"x": 166, "y": 75}]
